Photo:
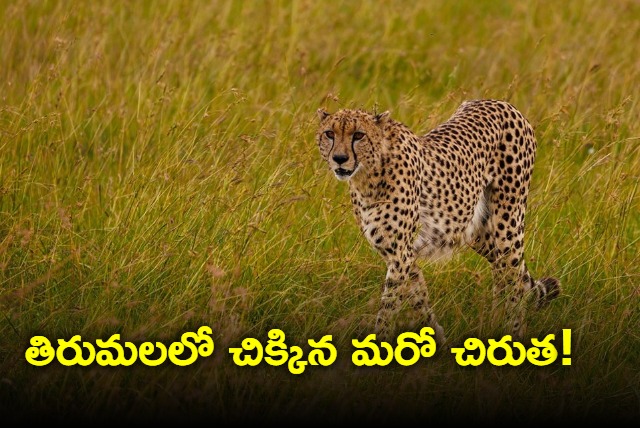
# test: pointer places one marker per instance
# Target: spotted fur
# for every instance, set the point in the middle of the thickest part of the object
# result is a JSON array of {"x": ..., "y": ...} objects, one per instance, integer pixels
[{"x": 464, "y": 184}]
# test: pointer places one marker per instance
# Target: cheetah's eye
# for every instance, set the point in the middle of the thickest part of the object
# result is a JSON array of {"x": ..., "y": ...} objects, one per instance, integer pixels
[
  {"x": 358, "y": 135},
  {"x": 329, "y": 134}
]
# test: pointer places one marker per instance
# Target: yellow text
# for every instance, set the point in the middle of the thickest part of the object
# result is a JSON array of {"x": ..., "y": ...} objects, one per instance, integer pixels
[
  {"x": 112, "y": 353},
  {"x": 542, "y": 353},
  {"x": 277, "y": 353}
]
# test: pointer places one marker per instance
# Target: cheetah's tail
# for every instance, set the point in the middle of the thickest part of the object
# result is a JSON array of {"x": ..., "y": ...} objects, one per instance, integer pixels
[{"x": 548, "y": 289}]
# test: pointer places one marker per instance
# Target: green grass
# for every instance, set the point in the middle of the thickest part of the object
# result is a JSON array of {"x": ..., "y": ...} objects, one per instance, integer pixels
[{"x": 158, "y": 172}]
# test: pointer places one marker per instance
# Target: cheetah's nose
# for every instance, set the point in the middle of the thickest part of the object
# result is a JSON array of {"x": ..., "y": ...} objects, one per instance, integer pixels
[{"x": 340, "y": 158}]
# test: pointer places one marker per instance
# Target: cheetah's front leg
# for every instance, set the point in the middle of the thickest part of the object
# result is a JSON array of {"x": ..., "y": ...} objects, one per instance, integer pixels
[{"x": 405, "y": 302}]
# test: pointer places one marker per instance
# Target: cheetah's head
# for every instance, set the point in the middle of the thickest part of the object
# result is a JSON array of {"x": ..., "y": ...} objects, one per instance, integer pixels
[{"x": 350, "y": 140}]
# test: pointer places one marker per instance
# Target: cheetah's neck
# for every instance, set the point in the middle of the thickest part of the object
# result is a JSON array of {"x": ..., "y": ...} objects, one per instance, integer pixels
[{"x": 374, "y": 183}]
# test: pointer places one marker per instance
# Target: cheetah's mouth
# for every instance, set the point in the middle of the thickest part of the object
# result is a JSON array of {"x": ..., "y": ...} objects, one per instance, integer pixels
[{"x": 342, "y": 173}]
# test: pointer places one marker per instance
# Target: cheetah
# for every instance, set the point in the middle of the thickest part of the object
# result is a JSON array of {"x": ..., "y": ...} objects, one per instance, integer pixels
[{"x": 463, "y": 184}]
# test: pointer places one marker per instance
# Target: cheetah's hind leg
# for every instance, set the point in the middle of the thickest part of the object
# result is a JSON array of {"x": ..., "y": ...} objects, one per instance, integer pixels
[{"x": 500, "y": 239}]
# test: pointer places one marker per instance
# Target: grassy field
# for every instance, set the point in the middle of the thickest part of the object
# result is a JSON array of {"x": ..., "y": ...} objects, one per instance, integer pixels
[{"x": 158, "y": 172}]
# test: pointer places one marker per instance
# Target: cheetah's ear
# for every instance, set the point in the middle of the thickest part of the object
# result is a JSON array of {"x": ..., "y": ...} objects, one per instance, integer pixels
[
  {"x": 323, "y": 114},
  {"x": 382, "y": 118}
]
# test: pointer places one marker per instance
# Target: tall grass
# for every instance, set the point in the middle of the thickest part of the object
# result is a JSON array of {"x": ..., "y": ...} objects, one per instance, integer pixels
[{"x": 158, "y": 172}]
